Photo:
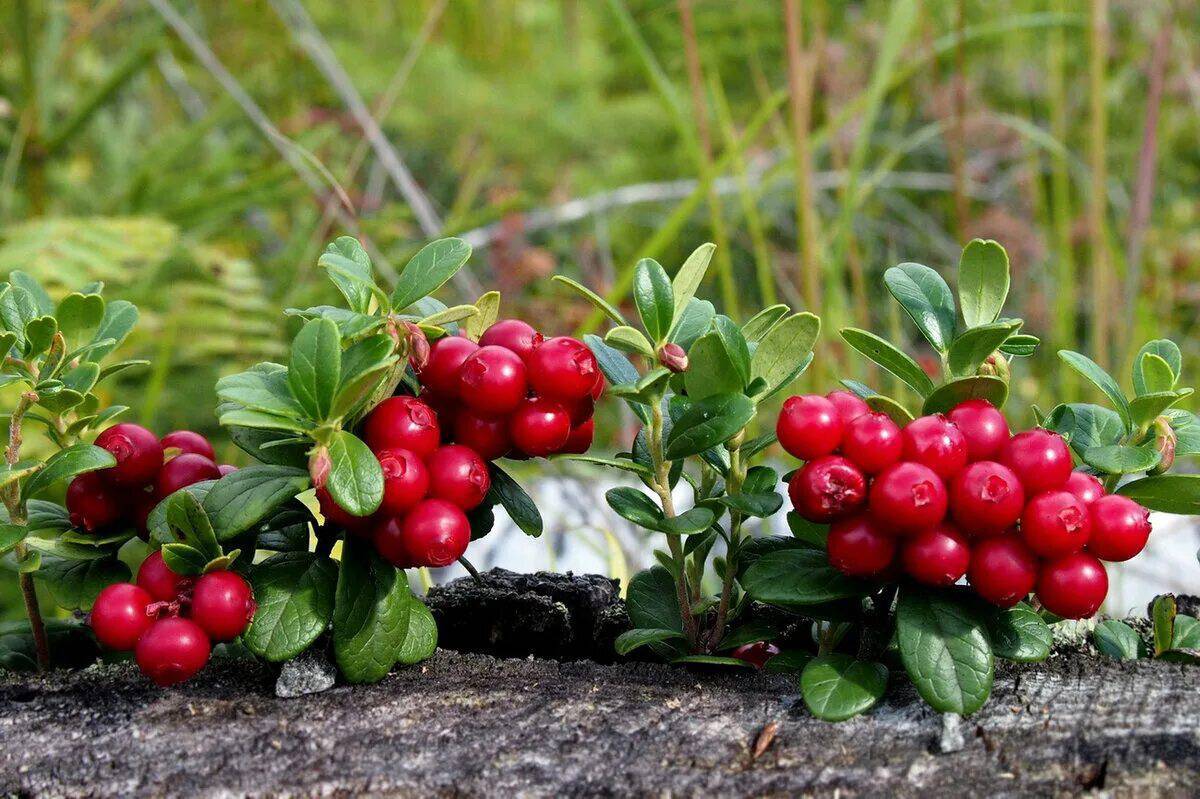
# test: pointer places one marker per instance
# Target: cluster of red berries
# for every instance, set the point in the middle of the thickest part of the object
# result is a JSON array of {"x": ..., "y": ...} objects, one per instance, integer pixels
[
  {"x": 147, "y": 471},
  {"x": 170, "y": 622},
  {"x": 956, "y": 494}
]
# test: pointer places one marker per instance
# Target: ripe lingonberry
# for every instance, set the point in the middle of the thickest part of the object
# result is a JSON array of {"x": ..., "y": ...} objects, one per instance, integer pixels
[
  {"x": 859, "y": 548},
  {"x": 1055, "y": 523},
  {"x": 756, "y": 654},
  {"x": 598, "y": 389},
  {"x": 141, "y": 503},
  {"x": 1085, "y": 486},
  {"x": 986, "y": 498},
  {"x": 138, "y": 452},
  {"x": 580, "y": 410},
  {"x": 1073, "y": 586},
  {"x": 487, "y": 435},
  {"x": 1040, "y": 459},
  {"x": 828, "y": 488},
  {"x": 539, "y": 427},
  {"x": 446, "y": 357},
  {"x": 983, "y": 426},
  {"x": 580, "y": 440},
  {"x": 436, "y": 533},
  {"x": 849, "y": 406},
  {"x": 222, "y": 604},
  {"x": 187, "y": 441},
  {"x": 388, "y": 537},
  {"x": 809, "y": 427},
  {"x": 402, "y": 423},
  {"x": 1003, "y": 570},
  {"x": 119, "y": 615},
  {"x": 338, "y": 516},
  {"x": 512, "y": 334},
  {"x": 563, "y": 368},
  {"x": 183, "y": 471},
  {"x": 405, "y": 480},
  {"x": 493, "y": 380},
  {"x": 172, "y": 650},
  {"x": 457, "y": 474},
  {"x": 91, "y": 503},
  {"x": 873, "y": 442},
  {"x": 907, "y": 497},
  {"x": 935, "y": 442},
  {"x": 1120, "y": 528},
  {"x": 156, "y": 578},
  {"x": 937, "y": 556}
]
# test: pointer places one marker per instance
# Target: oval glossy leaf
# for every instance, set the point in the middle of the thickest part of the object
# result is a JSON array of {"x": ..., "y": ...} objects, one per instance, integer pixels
[
  {"x": 1101, "y": 379},
  {"x": 890, "y": 358},
  {"x": 349, "y": 268},
  {"x": 783, "y": 349},
  {"x": 11, "y": 535},
  {"x": 371, "y": 608},
  {"x": 508, "y": 493},
  {"x": 1152, "y": 375},
  {"x": 691, "y": 275},
  {"x": 315, "y": 369},
  {"x": 1166, "y": 493},
  {"x": 629, "y": 339},
  {"x": 120, "y": 317},
  {"x": 633, "y": 639},
  {"x": 1117, "y": 640},
  {"x": 1168, "y": 352},
  {"x": 243, "y": 499},
  {"x": 421, "y": 637},
  {"x": 355, "y": 479},
  {"x": 1020, "y": 345},
  {"x": 983, "y": 280},
  {"x": 694, "y": 321},
  {"x": 652, "y": 294},
  {"x": 974, "y": 346},
  {"x": 1145, "y": 408},
  {"x": 798, "y": 577},
  {"x": 945, "y": 649},
  {"x": 1020, "y": 635},
  {"x": 757, "y": 326},
  {"x": 946, "y": 396},
  {"x": 592, "y": 297},
  {"x": 65, "y": 464},
  {"x": 651, "y": 601},
  {"x": 294, "y": 592},
  {"x": 635, "y": 506},
  {"x": 429, "y": 269},
  {"x": 708, "y": 423},
  {"x": 693, "y": 520},
  {"x": 927, "y": 300},
  {"x": 1122, "y": 459},
  {"x": 837, "y": 687},
  {"x": 1086, "y": 426},
  {"x": 711, "y": 369},
  {"x": 184, "y": 559},
  {"x": 75, "y": 584},
  {"x": 893, "y": 409}
]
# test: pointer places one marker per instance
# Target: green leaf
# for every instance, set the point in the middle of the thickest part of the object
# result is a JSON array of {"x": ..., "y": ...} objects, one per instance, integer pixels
[
  {"x": 629, "y": 339},
  {"x": 184, "y": 559},
  {"x": 691, "y": 275},
  {"x": 707, "y": 423},
  {"x": 39, "y": 333},
  {"x": 945, "y": 649},
  {"x": 731, "y": 338},
  {"x": 456, "y": 313},
  {"x": 17, "y": 309},
  {"x": 261, "y": 421},
  {"x": 890, "y": 358},
  {"x": 43, "y": 516},
  {"x": 710, "y": 660},
  {"x": 120, "y": 366},
  {"x": 1020, "y": 345},
  {"x": 1020, "y": 635},
  {"x": 355, "y": 479},
  {"x": 983, "y": 279},
  {"x": 1117, "y": 640},
  {"x": 695, "y": 319},
  {"x": 1186, "y": 635},
  {"x": 261, "y": 390},
  {"x": 763, "y": 322},
  {"x": 11, "y": 535},
  {"x": 37, "y": 292},
  {"x": 652, "y": 294},
  {"x": 349, "y": 268},
  {"x": 421, "y": 637},
  {"x": 711, "y": 369},
  {"x": 974, "y": 346},
  {"x": 1166, "y": 493},
  {"x": 624, "y": 464},
  {"x": 120, "y": 317},
  {"x": 61, "y": 548},
  {"x": 950, "y": 394},
  {"x": 364, "y": 366},
  {"x": 75, "y": 584},
  {"x": 783, "y": 351},
  {"x": 1162, "y": 616},
  {"x": 789, "y": 661},
  {"x": 189, "y": 521},
  {"x": 487, "y": 311},
  {"x": 927, "y": 300},
  {"x": 798, "y": 577},
  {"x": 891, "y": 408},
  {"x": 78, "y": 313},
  {"x": 1122, "y": 459},
  {"x": 72, "y": 645},
  {"x": 635, "y": 506},
  {"x": 315, "y": 369},
  {"x": 65, "y": 464},
  {"x": 592, "y": 297},
  {"x": 1085, "y": 426},
  {"x": 265, "y": 446},
  {"x": 837, "y": 687},
  {"x": 428, "y": 270},
  {"x": 1102, "y": 380},
  {"x": 1150, "y": 377},
  {"x": 1145, "y": 408},
  {"x": 294, "y": 592},
  {"x": 633, "y": 639},
  {"x": 762, "y": 506},
  {"x": 241, "y": 500},
  {"x": 814, "y": 534},
  {"x": 651, "y": 601},
  {"x": 520, "y": 507},
  {"x": 371, "y": 611}
]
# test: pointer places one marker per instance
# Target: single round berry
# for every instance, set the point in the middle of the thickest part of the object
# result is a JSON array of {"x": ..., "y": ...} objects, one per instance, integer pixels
[
  {"x": 92, "y": 504},
  {"x": 1003, "y": 570},
  {"x": 935, "y": 442},
  {"x": 937, "y": 556},
  {"x": 873, "y": 442},
  {"x": 598, "y": 389},
  {"x": 859, "y": 548},
  {"x": 487, "y": 435},
  {"x": 172, "y": 650},
  {"x": 119, "y": 615},
  {"x": 1040, "y": 459},
  {"x": 1086, "y": 487},
  {"x": 756, "y": 654},
  {"x": 908, "y": 497},
  {"x": 405, "y": 480},
  {"x": 446, "y": 357},
  {"x": 388, "y": 537},
  {"x": 187, "y": 441},
  {"x": 457, "y": 474},
  {"x": 223, "y": 605},
  {"x": 983, "y": 426},
  {"x": 1073, "y": 586},
  {"x": 580, "y": 410},
  {"x": 403, "y": 423},
  {"x": 1120, "y": 528},
  {"x": 141, "y": 503},
  {"x": 809, "y": 427},
  {"x": 493, "y": 381},
  {"x": 827, "y": 489},
  {"x": 512, "y": 334},
  {"x": 1055, "y": 523},
  {"x": 849, "y": 406},
  {"x": 986, "y": 498},
  {"x": 138, "y": 452},
  {"x": 436, "y": 533},
  {"x": 564, "y": 369},
  {"x": 337, "y": 516},
  {"x": 183, "y": 471},
  {"x": 539, "y": 427},
  {"x": 226, "y": 468},
  {"x": 156, "y": 578},
  {"x": 580, "y": 440}
]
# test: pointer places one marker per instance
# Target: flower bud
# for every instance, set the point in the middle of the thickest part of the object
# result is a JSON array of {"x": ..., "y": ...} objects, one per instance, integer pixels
[
  {"x": 318, "y": 466},
  {"x": 995, "y": 365},
  {"x": 673, "y": 357},
  {"x": 1164, "y": 441},
  {"x": 418, "y": 346}
]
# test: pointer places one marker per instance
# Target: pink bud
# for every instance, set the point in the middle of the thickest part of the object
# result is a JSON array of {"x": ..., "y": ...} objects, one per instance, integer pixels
[
  {"x": 418, "y": 346},
  {"x": 1165, "y": 441},
  {"x": 673, "y": 357},
  {"x": 318, "y": 466}
]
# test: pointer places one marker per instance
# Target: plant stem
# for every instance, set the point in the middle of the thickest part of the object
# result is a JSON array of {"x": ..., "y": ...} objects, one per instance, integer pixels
[
  {"x": 471, "y": 570},
  {"x": 737, "y": 474},
  {"x": 662, "y": 487},
  {"x": 16, "y": 515}
]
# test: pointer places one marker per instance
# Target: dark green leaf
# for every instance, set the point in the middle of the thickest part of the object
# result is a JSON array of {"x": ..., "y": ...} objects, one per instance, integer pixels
[
  {"x": 711, "y": 369},
  {"x": 61, "y": 548},
  {"x": 945, "y": 649},
  {"x": 421, "y": 637},
  {"x": 789, "y": 661},
  {"x": 253, "y": 441},
  {"x": 65, "y": 464},
  {"x": 294, "y": 592},
  {"x": 17, "y": 309},
  {"x": 635, "y": 506},
  {"x": 708, "y": 423},
  {"x": 653, "y": 297},
  {"x": 184, "y": 559},
  {"x": 1166, "y": 493},
  {"x": 946, "y": 396},
  {"x": 890, "y": 358},
  {"x": 11, "y": 535},
  {"x": 1144, "y": 409},
  {"x": 652, "y": 602},
  {"x": 1117, "y": 640},
  {"x": 1020, "y": 345},
  {"x": 1019, "y": 634},
  {"x": 624, "y": 464},
  {"x": 782, "y": 352},
  {"x": 1162, "y": 616},
  {"x": 1101, "y": 379},
  {"x": 46, "y": 517},
  {"x": 189, "y": 521},
  {"x": 75, "y": 584},
  {"x": 983, "y": 279},
  {"x": 431, "y": 267},
  {"x": 120, "y": 317},
  {"x": 1086, "y": 426},
  {"x": 633, "y": 639},
  {"x": 798, "y": 577},
  {"x": 315, "y": 369},
  {"x": 926, "y": 298},
  {"x": 974, "y": 346},
  {"x": 812, "y": 533},
  {"x": 693, "y": 520},
  {"x": 261, "y": 389},
  {"x": 837, "y": 687},
  {"x": 510, "y": 496},
  {"x": 1122, "y": 459},
  {"x": 710, "y": 660},
  {"x": 691, "y": 275},
  {"x": 243, "y": 499},
  {"x": 355, "y": 479},
  {"x": 697, "y": 317},
  {"x": 72, "y": 645},
  {"x": 371, "y": 611},
  {"x": 761, "y": 323}
]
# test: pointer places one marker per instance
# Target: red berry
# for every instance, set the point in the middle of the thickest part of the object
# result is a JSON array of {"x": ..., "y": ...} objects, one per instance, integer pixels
[
  {"x": 142, "y": 503},
  {"x": 138, "y": 452},
  {"x": 487, "y": 435},
  {"x": 1120, "y": 528},
  {"x": 809, "y": 427},
  {"x": 756, "y": 654},
  {"x": 908, "y": 497},
  {"x": 986, "y": 498},
  {"x": 512, "y": 334},
  {"x": 92, "y": 504},
  {"x": 226, "y": 468},
  {"x": 935, "y": 442},
  {"x": 338, "y": 516},
  {"x": 598, "y": 389},
  {"x": 402, "y": 423},
  {"x": 223, "y": 605},
  {"x": 388, "y": 537},
  {"x": 1073, "y": 586},
  {"x": 172, "y": 650},
  {"x": 183, "y": 471},
  {"x": 828, "y": 488},
  {"x": 457, "y": 474},
  {"x": 1055, "y": 523},
  {"x": 849, "y": 406},
  {"x": 580, "y": 410},
  {"x": 539, "y": 427},
  {"x": 983, "y": 427},
  {"x": 405, "y": 480},
  {"x": 873, "y": 442},
  {"x": 1085, "y": 486},
  {"x": 1003, "y": 570},
  {"x": 1040, "y": 459},
  {"x": 436, "y": 533},
  {"x": 859, "y": 548},
  {"x": 563, "y": 368},
  {"x": 493, "y": 381},
  {"x": 156, "y": 578},
  {"x": 937, "y": 556},
  {"x": 187, "y": 441},
  {"x": 446, "y": 357},
  {"x": 580, "y": 440},
  {"x": 119, "y": 615}
]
